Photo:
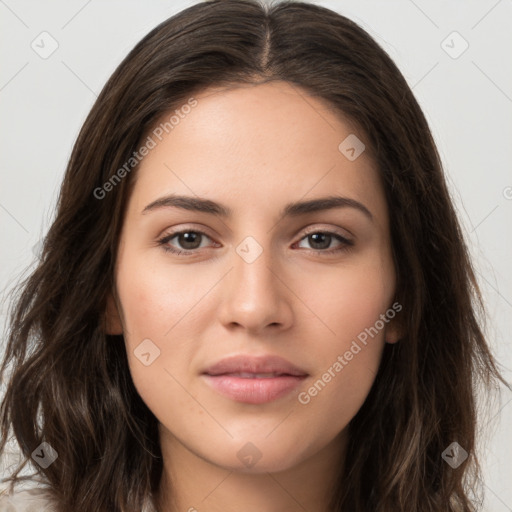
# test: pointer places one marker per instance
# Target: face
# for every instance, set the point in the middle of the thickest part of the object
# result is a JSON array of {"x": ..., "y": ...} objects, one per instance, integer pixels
[{"x": 248, "y": 275}]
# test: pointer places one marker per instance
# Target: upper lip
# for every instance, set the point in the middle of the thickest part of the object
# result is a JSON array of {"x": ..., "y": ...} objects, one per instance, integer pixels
[{"x": 252, "y": 364}]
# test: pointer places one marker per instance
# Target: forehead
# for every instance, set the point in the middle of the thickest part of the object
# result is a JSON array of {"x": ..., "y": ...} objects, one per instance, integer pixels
[{"x": 256, "y": 145}]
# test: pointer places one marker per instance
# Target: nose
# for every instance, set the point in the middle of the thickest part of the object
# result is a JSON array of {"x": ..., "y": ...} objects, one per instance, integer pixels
[{"x": 255, "y": 295}]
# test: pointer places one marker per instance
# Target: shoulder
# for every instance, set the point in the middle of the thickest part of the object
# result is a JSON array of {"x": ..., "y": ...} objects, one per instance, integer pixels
[{"x": 27, "y": 500}]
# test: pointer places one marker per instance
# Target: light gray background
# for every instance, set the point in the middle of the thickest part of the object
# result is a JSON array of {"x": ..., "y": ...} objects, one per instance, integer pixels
[{"x": 467, "y": 101}]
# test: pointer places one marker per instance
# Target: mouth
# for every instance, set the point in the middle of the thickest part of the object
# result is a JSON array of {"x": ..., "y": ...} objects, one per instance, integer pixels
[
  {"x": 253, "y": 380},
  {"x": 248, "y": 375},
  {"x": 255, "y": 388}
]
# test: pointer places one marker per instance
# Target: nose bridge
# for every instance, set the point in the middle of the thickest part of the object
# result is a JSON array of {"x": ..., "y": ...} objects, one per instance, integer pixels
[
  {"x": 254, "y": 270},
  {"x": 255, "y": 297}
]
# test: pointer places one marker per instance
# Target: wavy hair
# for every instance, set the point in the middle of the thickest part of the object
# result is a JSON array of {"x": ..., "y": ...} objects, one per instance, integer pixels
[{"x": 70, "y": 383}]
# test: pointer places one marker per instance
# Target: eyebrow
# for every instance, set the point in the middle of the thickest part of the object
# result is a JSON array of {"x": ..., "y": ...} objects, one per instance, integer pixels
[{"x": 294, "y": 209}]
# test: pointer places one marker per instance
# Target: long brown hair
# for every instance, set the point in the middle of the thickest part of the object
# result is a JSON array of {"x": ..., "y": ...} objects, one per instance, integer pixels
[{"x": 70, "y": 384}]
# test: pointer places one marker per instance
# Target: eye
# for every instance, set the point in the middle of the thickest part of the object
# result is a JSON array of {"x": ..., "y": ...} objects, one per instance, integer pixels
[
  {"x": 321, "y": 240},
  {"x": 189, "y": 240}
]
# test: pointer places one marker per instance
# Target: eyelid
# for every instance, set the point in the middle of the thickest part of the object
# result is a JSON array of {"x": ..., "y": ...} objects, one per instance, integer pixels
[
  {"x": 313, "y": 228},
  {"x": 183, "y": 228}
]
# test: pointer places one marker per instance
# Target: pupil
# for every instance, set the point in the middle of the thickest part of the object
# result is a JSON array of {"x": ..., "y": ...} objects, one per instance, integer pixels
[
  {"x": 325, "y": 238},
  {"x": 189, "y": 238}
]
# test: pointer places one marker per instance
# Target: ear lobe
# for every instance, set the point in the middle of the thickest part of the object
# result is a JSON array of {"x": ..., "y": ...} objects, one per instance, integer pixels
[
  {"x": 394, "y": 331},
  {"x": 113, "y": 323}
]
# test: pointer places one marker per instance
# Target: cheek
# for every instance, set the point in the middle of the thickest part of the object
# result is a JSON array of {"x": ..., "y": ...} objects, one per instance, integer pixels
[
  {"x": 349, "y": 303},
  {"x": 156, "y": 313},
  {"x": 335, "y": 396},
  {"x": 157, "y": 301},
  {"x": 348, "y": 300},
  {"x": 347, "y": 361}
]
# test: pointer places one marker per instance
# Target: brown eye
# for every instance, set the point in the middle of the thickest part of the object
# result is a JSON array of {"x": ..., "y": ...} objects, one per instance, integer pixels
[
  {"x": 319, "y": 241},
  {"x": 187, "y": 240}
]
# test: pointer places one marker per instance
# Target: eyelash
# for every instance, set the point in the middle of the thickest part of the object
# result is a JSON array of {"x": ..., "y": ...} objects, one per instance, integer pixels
[{"x": 346, "y": 244}]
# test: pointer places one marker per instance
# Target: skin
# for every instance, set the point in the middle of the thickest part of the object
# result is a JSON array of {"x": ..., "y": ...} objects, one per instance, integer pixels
[{"x": 253, "y": 149}]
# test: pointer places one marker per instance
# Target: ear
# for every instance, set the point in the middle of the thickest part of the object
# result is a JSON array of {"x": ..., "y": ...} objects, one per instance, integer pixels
[
  {"x": 113, "y": 323},
  {"x": 395, "y": 330}
]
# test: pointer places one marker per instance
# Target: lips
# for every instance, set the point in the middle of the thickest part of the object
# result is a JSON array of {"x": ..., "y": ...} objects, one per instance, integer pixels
[
  {"x": 248, "y": 375},
  {"x": 249, "y": 366},
  {"x": 254, "y": 380}
]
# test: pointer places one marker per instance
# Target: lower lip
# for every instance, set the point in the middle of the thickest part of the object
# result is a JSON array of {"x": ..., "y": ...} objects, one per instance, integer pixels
[{"x": 253, "y": 391}]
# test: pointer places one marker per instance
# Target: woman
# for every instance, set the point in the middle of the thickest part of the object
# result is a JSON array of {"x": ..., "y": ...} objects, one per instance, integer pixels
[{"x": 255, "y": 292}]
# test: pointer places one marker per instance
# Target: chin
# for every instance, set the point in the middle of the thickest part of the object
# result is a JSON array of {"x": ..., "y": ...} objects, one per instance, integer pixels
[{"x": 257, "y": 457}]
